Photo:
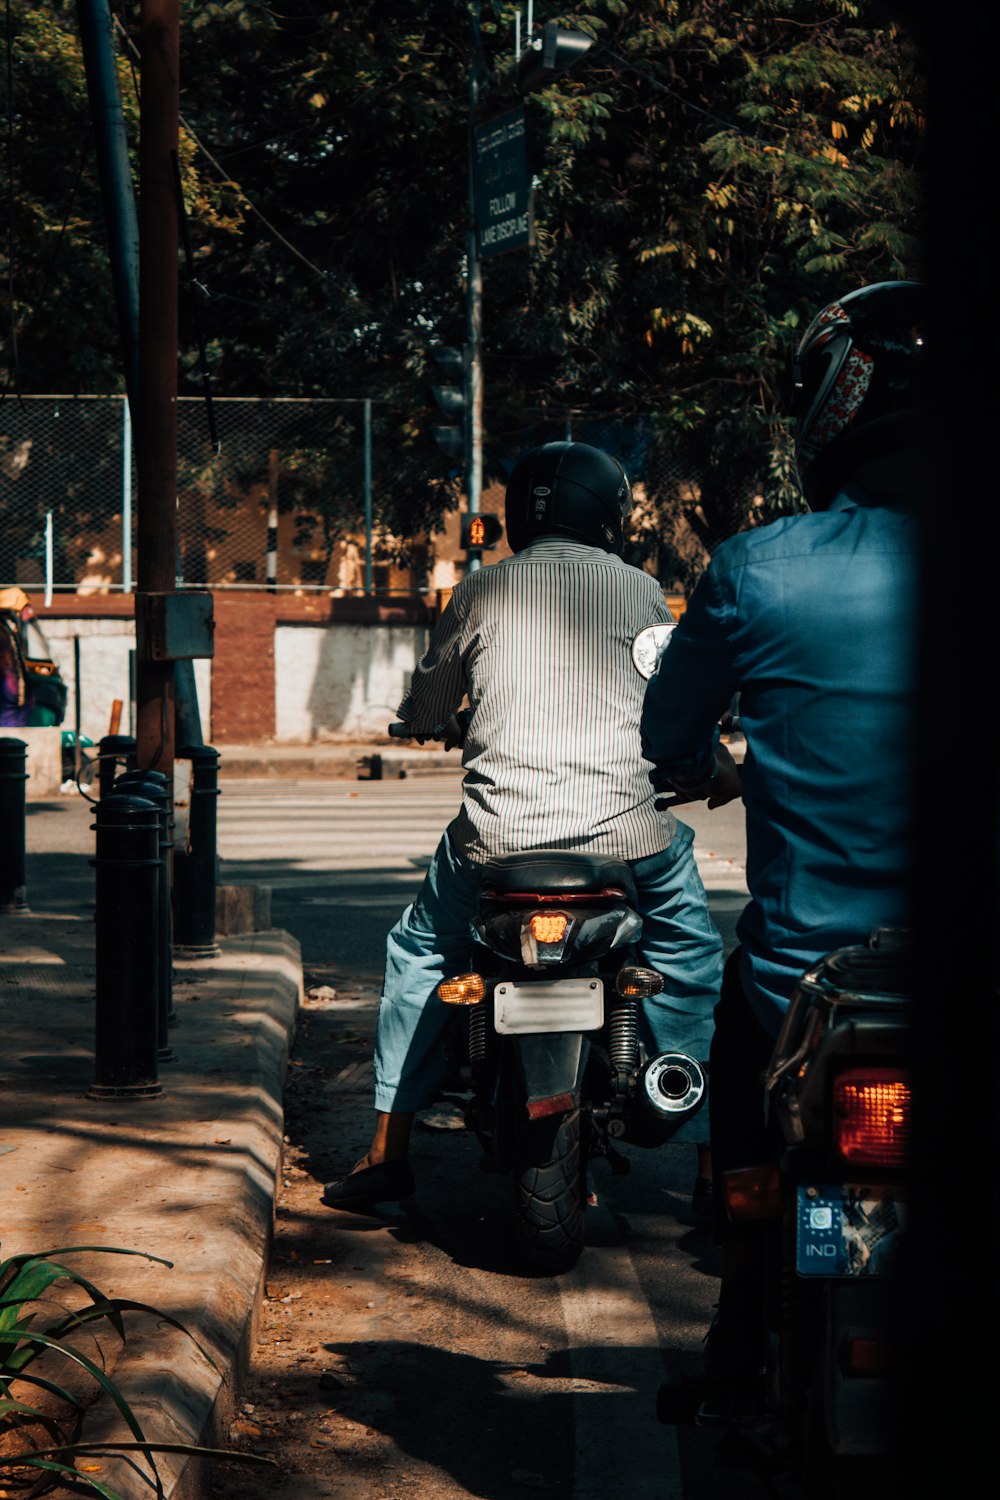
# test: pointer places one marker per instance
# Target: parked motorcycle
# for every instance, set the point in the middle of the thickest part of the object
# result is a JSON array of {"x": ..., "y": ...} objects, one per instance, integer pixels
[
  {"x": 822, "y": 1410},
  {"x": 544, "y": 1051}
]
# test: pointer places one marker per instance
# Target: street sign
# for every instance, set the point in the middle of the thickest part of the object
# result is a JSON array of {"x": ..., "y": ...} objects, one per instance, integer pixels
[{"x": 503, "y": 188}]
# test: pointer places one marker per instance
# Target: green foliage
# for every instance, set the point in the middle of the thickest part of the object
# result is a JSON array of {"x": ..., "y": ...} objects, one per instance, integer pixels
[
  {"x": 41, "y": 1417},
  {"x": 706, "y": 178}
]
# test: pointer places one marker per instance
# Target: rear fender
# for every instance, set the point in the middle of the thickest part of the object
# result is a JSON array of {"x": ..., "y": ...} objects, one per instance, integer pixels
[{"x": 550, "y": 1068}]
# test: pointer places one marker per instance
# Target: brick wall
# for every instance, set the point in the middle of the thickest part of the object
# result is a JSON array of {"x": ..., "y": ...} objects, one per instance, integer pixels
[{"x": 243, "y": 668}]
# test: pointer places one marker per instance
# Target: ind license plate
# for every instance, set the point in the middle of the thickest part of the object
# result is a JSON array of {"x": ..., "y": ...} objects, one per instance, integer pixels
[
  {"x": 847, "y": 1229},
  {"x": 552, "y": 1005}
]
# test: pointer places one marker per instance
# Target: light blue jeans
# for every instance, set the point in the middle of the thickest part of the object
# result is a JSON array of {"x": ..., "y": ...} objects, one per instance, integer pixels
[{"x": 431, "y": 942}]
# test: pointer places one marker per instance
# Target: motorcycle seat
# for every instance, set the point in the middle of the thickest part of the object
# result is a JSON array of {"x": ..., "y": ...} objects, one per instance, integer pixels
[{"x": 568, "y": 872}]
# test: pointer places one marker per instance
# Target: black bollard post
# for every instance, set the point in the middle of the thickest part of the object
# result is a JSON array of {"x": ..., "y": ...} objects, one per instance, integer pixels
[
  {"x": 195, "y": 866},
  {"x": 115, "y": 752},
  {"x": 154, "y": 786},
  {"x": 13, "y": 888},
  {"x": 127, "y": 914}
]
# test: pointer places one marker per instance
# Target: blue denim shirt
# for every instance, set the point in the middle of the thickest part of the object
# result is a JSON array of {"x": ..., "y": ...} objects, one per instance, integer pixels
[{"x": 812, "y": 621}]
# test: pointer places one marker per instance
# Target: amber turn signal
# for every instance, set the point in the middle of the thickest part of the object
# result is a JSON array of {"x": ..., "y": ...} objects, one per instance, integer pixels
[
  {"x": 464, "y": 989},
  {"x": 635, "y": 982}
]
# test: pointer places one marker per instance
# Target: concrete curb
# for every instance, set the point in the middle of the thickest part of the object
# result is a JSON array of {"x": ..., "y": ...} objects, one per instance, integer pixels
[
  {"x": 348, "y": 761},
  {"x": 338, "y": 762},
  {"x": 190, "y": 1175}
]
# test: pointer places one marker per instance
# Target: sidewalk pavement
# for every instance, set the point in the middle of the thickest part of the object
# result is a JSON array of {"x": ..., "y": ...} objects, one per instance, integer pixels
[{"x": 189, "y": 1175}]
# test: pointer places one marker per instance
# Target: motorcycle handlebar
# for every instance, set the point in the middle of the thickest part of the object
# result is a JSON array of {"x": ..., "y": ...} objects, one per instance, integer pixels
[{"x": 450, "y": 734}]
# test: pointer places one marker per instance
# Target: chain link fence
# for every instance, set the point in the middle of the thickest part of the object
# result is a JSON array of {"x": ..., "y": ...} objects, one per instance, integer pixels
[{"x": 284, "y": 495}]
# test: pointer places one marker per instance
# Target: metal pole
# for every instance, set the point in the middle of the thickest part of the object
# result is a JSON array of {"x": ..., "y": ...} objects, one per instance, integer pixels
[
  {"x": 474, "y": 299},
  {"x": 154, "y": 787},
  {"x": 126, "y": 497},
  {"x": 157, "y": 425},
  {"x": 126, "y": 956},
  {"x": 368, "y": 497},
  {"x": 48, "y": 558},
  {"x": 273, "y": 471},
  {"x": 13, "y": 889},
  {"x": 77, "y": 709},
  {"x": 111, "y": 143},
  {"x": 195, "y": 866},
  {"x": 115, "y": 752}
]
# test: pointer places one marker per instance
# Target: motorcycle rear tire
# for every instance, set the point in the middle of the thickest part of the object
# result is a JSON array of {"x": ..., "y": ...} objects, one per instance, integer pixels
[{"x": 550, "y": 1194}]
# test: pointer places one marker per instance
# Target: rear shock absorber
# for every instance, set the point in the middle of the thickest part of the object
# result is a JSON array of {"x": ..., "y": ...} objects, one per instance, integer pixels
[
  {"x": 477, "y": 1032},
  {"x": 623, "y": 1040}
]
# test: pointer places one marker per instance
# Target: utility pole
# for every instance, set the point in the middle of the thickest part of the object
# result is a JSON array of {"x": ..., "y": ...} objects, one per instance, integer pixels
[
  {"x": 474, "y": 297},
  {"x": 159, "y": 120},
  {"x": 96, "y": 31}
]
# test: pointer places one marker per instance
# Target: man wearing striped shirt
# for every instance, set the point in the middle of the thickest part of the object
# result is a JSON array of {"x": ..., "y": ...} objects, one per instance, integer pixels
[{"x": 541, "y": 645}]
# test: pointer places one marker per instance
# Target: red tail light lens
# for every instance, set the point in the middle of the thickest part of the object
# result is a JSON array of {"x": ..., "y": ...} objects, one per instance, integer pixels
[
  {"x": 865, "y": 1357},
  {"x": 871, "y": 1116}
]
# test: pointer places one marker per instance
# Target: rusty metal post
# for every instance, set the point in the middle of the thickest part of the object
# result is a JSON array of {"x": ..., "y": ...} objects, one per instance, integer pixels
[{"x": 156, "y": 452}]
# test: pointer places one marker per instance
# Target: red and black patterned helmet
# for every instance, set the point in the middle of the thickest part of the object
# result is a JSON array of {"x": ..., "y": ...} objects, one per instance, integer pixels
[{"x": 859, "y": 379}]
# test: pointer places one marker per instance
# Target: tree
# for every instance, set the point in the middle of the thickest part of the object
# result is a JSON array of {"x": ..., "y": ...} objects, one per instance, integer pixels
[
  {"x": 711, "y": 179},
  {"x": 706, "y": 178}
]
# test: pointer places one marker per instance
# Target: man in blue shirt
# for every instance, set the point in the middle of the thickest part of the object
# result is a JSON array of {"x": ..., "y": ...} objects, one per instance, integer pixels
[{"x": 812, "y": 621}]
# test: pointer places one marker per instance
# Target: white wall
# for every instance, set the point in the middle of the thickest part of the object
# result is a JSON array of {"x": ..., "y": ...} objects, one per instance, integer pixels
[
  {"x": 104, "y": 672},
  {"x": 331, "y": 681},
  {"x": 336, "y": 681}
]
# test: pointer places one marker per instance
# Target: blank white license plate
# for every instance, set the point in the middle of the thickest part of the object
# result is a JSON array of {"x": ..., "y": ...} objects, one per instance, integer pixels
[{"x": 549, "y": 1005}]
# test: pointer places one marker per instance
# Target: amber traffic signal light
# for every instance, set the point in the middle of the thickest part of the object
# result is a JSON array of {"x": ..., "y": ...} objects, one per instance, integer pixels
[{"x": 481, "y": 531}]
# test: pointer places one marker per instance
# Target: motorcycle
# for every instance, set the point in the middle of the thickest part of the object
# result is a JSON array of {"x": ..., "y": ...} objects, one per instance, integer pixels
[
  {"x": 543, "y": 1047},
  {"x": 822, "y": 1409}
]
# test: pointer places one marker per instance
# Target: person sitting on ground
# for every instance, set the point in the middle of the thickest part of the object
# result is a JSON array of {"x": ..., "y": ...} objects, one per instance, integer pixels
[
  {"x": 15, "y": 686},
  {"x": 541, "y": 644}
]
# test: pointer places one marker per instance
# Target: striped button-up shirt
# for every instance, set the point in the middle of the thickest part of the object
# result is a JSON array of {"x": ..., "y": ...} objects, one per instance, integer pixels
[{"x": 541, "y": 643}]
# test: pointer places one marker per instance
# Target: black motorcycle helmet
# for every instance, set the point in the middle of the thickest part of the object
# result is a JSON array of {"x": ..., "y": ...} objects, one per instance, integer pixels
[
  {"x": 859, "y": 380},
  {"x": 568, "y": 489}
]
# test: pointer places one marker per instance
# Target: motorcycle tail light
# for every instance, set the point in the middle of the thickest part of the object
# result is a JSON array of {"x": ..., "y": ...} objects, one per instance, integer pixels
[
  {"x": 633, "y": 981},
  {"x": 549, "y": 927},
  {"x": 871, "y": 1114},
  {"x": 753, "y": 1192},
  {"x": 464, "y": 989},
  {"x": 865, "y": 1357}
]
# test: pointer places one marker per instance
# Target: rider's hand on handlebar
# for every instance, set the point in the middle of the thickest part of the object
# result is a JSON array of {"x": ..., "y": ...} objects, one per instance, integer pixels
[
  {"x": 724, "y": 784},
  {"x": 727, "y": 782},
  {"x": 452, "y": 732}
]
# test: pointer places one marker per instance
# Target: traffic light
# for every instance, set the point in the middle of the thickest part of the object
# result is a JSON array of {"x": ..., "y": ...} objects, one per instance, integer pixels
[
  {"x": 550, "y": 54},
  {"x": 481, "y": 530},
  {"x": 451, "y": 398}
]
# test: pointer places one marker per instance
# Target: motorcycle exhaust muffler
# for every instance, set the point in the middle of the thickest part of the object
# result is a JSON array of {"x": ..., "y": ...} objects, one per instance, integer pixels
[{"x": 669, "y": 1090}]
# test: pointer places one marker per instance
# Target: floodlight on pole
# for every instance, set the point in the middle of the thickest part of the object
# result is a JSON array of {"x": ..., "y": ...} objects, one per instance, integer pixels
[{"x": 555, "y": 50}]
